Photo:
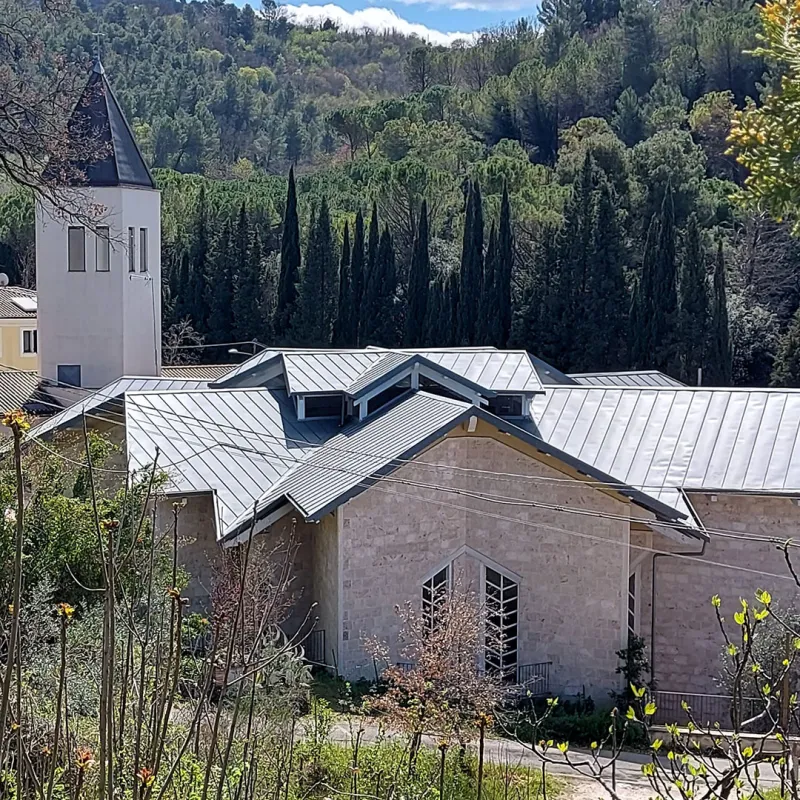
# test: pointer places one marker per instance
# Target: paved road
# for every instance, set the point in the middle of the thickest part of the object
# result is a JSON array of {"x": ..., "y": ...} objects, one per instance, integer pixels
[{"x": 631, "y": 784}]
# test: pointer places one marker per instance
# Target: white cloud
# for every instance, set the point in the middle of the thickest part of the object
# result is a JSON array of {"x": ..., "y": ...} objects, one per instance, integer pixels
[
  {"x": 474, "y": 5},
  {"x": 377, "y": 19}
]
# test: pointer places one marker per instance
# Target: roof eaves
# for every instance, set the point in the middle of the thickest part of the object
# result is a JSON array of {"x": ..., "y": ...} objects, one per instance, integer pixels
[{"x": 394, "y": 463}]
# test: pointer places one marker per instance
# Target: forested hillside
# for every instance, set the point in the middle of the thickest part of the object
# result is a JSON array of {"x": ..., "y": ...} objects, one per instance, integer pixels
[{"x": 620, "y": 242}]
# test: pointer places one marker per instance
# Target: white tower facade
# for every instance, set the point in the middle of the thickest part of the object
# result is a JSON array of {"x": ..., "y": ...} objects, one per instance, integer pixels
[{"x": 99, "y": 285}]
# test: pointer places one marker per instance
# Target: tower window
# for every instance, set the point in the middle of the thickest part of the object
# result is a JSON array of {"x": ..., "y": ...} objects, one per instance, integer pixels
[
  {"x": 131, "y": 249},
  {"x": 103, "y": 242},
  {"x": 142, "y": 249},
  {"x": 77, "y": 249},
  {"x": 30, "y": 342},
  {"x": 69, "y": 374},
  {"x": 502, "y": 624}
]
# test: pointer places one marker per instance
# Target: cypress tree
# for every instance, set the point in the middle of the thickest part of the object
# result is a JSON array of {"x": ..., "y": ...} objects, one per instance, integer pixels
[
  {"x": 435, "y": 317},
  {"x": 197, "y": 302},
  {"x": 247, "y": 287},
  {"x": 220, "y": 287},
  {"x": 318, "y": 290},
  {"x": 693, "y": 303},
  {"x": 573, "y": 253},
  {"x": 357, "y": 279},
  {"x": 290, "y": 262},
  {"x": 382, "y": 310},
  {"x": 419, "y": 288},
  {"x": 655, "y": 320},
  {"x": 490, "y": 327},
  {"x": 181, "y": 293},
  {"x": 370, "y": 267},
  {"x": 720, "y": 355},
  {"x": 471, "y": 274},
  {"x": 786, "y": 370},
  {"x": 504, "y": 266},
  {"x": 607, "y": 306},
  {"x": 343, "y": 325}
]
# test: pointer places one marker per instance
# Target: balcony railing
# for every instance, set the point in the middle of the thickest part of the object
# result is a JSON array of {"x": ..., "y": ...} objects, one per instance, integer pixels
[
  {"x": 707, "y": 710},
  {"x": 533, "y": 678}
]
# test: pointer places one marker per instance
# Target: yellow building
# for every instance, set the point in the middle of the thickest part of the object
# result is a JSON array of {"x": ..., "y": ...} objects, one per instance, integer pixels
[{"x": 19, "y": 344}]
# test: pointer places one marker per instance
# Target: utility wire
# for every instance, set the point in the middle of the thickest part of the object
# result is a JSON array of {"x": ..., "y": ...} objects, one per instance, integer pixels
[{"x": 510, "y": 500}]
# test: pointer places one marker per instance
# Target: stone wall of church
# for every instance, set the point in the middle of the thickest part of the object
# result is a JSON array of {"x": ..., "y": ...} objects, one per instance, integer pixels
[
  {"x": 688, "y": 641},
  {"x": 572, "y": 568}
]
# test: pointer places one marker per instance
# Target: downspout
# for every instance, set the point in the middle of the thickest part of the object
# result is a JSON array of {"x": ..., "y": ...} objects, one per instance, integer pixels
[{"x": 653, "y": 602}]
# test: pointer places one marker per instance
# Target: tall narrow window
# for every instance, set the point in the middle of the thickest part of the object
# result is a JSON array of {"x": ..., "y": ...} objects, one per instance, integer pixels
[
  {"x": 502, "y": 624},
  {"x": 631, "y": 606},
  {"x": 30, "y": 342},
  {"x": 103, "y": 240},
  {"x": 434, "y": 595},
  {"x": 142, "y": 249},
  {"x": 77, "y": 249},
  {"x": 131, "y": 249}
]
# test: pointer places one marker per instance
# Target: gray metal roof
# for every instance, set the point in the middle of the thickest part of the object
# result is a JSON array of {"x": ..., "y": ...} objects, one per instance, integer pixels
[
  {"x": 498, "y": 370},
  {"x": 644, "y": 377},
  {"x": 252, "y": 365},
  {"x": 321, "y": 371},
  {"x": 110, "y": 400},
  {"x": 234, "y": 443},
  {"x": 665, "y": 440},
  {"x": 380, "y": 369},
  {"x": 203, "y": 372},
  {"x": 350, "y": 461},
  {"x": 336, "y": 370},
  {"x": 549, "y": 375}
]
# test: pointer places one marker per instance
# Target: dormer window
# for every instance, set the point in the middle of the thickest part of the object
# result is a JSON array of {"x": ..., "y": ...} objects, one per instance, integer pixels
[
  {"x": 320, "y": 406},
  {"x": 506, "y": 405}
]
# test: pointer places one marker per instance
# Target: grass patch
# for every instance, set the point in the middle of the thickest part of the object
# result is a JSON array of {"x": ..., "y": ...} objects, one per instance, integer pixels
[{"x": 329, "y": 768}]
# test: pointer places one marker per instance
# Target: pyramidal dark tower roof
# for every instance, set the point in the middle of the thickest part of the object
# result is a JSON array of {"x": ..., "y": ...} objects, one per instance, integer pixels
[{"x": 98, "y": 114}]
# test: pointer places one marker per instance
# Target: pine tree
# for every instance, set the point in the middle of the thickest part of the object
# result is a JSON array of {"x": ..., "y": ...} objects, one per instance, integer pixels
[
  {"x": 504, "y": 267},
  {"x": 693, "y": 303},
  {"x": 471, "y": 274},
  {"x": 435, "y": 316},
  {"x": 628, "y": 118},
  {"x": 382, "y": 310},
  {"x": 607, "y": 306},
  {"x": 720, "y": 354},
  {"x": 197, "y": 301},
  {"x": 318, "y": 285},
  {"x": 419, "y": 280},
  {"x": 219, "y": 290},
  {"x": 290, "y": 262},
  {"x": 357, "y": 279},
  {"x": 182, "y": 288},
  {"x": 786, "y": 370},
  {"x": 248, "y": 321},
  {"x": 343, "y": 324}
]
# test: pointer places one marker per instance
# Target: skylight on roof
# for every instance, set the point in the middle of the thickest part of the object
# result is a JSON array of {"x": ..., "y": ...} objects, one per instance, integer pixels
[{"x": 26, "y": 304}]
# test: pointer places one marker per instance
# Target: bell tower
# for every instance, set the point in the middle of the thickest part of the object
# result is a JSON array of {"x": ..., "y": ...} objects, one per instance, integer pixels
[{"x": 98, "y": 272}]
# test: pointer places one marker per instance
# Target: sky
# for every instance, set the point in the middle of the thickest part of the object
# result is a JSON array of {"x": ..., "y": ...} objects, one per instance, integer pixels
[{"x": 439, "y": 21}]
